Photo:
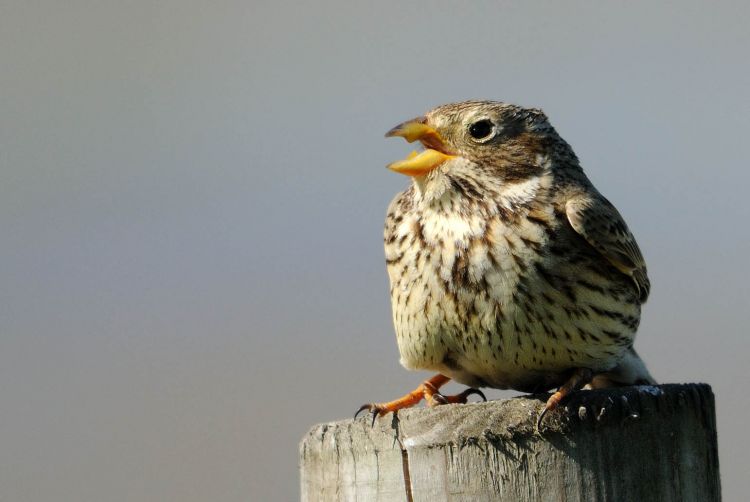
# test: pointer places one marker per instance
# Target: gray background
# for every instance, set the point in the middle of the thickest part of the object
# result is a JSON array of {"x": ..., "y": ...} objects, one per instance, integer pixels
[{"x": 192, "y": 199}]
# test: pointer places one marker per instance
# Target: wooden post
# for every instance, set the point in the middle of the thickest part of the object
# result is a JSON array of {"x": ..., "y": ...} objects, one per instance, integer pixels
[{"x": 630, "y": 444}]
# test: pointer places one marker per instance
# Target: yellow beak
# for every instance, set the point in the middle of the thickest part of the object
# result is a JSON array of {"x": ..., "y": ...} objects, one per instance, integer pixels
[{"x": 419, "y": 164}]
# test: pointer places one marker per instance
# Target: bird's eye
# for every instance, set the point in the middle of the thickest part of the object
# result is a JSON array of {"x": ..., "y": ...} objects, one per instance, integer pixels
[{"x": 481, "y": 129}]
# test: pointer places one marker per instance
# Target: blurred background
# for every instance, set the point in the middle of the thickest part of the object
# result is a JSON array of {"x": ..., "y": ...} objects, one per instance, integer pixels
[{"x": 192, "y": 197}]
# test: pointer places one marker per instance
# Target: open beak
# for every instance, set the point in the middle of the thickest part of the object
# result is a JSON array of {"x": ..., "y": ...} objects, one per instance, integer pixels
[{"x": 419, "y": 164}]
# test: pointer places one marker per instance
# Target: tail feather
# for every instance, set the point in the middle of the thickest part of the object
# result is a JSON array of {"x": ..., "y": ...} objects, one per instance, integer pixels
[{"x": 631, "y": 371}]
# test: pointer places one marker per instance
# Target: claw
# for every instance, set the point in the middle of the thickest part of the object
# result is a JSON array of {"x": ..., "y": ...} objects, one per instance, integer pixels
[
  {"x": 374, "y": 409},
  {"x": 437, "y": 398},
  {"x": 468, "y": 392},
  {"x": 362, "y": 408},
  {"x": 541, "y": 418}
]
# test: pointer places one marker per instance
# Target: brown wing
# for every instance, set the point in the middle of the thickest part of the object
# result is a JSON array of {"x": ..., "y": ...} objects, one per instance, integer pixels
[{"x": 597, "y": 220}]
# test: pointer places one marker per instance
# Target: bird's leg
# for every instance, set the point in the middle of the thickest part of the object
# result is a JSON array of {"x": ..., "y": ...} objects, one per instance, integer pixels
[
  {"x": 427, "y": 390},
  {"x": 577, "y": 380}
]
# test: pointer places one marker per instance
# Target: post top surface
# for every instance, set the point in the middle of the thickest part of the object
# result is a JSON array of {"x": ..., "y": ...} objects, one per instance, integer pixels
[{"x": 515, "y": 418}]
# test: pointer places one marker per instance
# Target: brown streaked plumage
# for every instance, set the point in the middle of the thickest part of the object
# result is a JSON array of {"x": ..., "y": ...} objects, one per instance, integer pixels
[{"x": 508, "y": 269}]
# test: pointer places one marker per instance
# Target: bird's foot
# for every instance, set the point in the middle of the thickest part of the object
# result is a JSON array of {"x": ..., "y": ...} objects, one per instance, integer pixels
[
  {"x": 577, "y": 380},
  {"x": 427, "y": 390},
  {"x": 461, "y": 398}
]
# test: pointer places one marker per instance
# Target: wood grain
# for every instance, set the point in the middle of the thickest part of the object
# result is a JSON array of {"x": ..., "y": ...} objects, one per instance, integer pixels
[{"x": 649, "y": 443}]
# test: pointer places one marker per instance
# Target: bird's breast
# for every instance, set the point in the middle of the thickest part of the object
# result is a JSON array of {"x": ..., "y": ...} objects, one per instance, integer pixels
[{"x": 483, "y": 297}]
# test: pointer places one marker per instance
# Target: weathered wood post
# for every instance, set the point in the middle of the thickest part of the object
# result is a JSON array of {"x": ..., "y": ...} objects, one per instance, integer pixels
[{"x": 630, "y": 444}]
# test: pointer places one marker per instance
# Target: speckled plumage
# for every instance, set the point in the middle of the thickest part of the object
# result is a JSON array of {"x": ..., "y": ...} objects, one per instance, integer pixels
[{"x": 507, "y": 267}]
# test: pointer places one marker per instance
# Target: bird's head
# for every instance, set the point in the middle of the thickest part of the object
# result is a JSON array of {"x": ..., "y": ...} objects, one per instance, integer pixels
[{"x": 481, "y": 139}]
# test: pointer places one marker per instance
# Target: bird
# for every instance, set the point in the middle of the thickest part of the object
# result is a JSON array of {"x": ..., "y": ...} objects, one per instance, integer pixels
[{"x": 507, "y": 268}]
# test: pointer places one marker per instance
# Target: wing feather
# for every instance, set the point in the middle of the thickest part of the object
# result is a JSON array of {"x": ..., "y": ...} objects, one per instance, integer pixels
[{"x": 599, "y": 222}]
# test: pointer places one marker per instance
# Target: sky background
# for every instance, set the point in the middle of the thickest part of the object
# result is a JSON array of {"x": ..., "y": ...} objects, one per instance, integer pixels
[{"x": 192, "y": 197}]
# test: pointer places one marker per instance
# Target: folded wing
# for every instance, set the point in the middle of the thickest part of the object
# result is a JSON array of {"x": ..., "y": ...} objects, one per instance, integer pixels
[{"x": 597, "y": 220}]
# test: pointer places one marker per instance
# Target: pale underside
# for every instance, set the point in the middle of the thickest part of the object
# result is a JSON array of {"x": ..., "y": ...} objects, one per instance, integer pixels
[{"x": 509, "y": 296}]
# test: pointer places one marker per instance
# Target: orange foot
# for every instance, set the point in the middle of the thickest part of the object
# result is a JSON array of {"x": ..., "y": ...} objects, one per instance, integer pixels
[
  {"x": 428, "y": 391},
  {"x": 577, "y": 380}
]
